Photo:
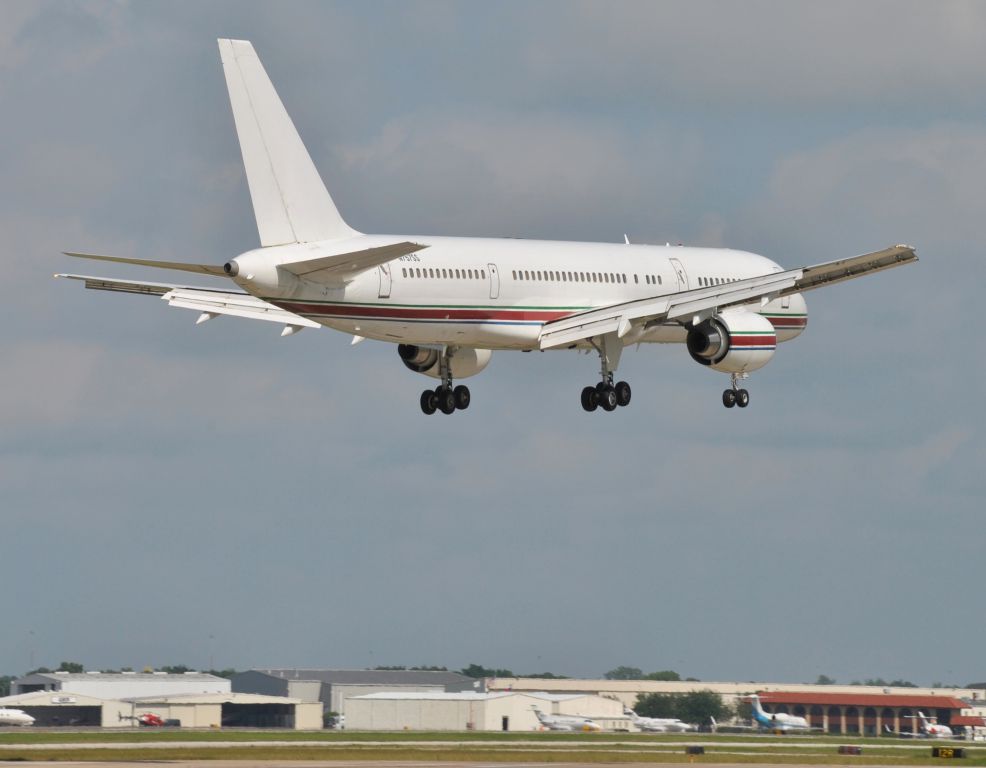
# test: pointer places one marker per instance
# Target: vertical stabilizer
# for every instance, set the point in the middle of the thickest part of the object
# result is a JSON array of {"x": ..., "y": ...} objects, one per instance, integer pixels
[{"x": 290, "y": 201}]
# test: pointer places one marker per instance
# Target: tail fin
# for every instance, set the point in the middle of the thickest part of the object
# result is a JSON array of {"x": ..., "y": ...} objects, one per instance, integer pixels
[{"x": 290, "y": 202}]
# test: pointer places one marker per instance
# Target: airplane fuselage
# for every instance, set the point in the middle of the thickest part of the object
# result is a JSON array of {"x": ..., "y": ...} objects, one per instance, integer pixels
[{"x": 497, "y": 293}]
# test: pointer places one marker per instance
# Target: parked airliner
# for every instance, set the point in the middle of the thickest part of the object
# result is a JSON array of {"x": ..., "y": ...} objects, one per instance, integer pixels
[
  {"x": 565, "y": 722},
  {"x": 779, "y": 722},
  {"x": 449, "y": 302},
  {"x": 15, "y": 717}
]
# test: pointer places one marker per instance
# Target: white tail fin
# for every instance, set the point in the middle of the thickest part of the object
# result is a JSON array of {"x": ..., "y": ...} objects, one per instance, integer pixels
[{"x": 290, "y": 201}]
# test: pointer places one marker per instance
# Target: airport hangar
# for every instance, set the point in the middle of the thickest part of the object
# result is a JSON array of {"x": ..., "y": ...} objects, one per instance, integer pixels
[
  {"x": 117, "y": 700},
  {"x": 333, "y": 686}
]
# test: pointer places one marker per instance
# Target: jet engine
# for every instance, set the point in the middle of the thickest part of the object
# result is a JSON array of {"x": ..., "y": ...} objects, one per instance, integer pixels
[
  {"x": 734, "y": 341},
  {"x": 466, "y": 361}
]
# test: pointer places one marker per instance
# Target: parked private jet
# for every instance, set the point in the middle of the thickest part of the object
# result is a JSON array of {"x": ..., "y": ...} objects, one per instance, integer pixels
[
  {"x": 932, "y": 730},
  {"x": 565, "y": 722},
  {"x": 15, "y": 717},
  {"x": 449, "y": 302},
  {"x": 658, "y": 724},
  {"x": 779, "y": 722}
]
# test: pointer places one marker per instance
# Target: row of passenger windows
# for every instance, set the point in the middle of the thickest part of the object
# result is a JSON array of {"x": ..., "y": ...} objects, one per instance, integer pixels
[
  {"x": 716, "y": 280},
  {"x": 446, "y": 274},
  {"x": 555, "y": 276}
]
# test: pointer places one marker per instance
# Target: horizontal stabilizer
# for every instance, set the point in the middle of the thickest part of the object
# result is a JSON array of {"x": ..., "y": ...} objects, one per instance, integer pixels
[
  {"x": 341, "y": 267},
  {"x": 201, "y": 269}
]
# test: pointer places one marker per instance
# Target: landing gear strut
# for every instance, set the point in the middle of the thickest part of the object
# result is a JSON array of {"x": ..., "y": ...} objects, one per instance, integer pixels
[
  {"x": 736, "y": 396},
  {"x": 445, "y": 397},
  {"x": 606, "y": 394}
]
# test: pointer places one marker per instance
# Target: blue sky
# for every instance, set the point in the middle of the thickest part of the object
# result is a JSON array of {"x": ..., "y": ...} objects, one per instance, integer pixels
[{"x": 174, "y": 494}]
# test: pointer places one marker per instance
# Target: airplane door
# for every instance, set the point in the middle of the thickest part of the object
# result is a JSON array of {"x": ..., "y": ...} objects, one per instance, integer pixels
[
  {"x": 494, "y": 281},
  {"x": 680, "y": 272},
  {"x": 385, "y": 281}
]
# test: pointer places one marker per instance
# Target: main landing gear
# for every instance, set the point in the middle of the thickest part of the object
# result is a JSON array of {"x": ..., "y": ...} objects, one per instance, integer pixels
[
  {"x": 606, "y": 394},
  {"x": 735, "y": 396},
  {"x": 445, "y": 397}
]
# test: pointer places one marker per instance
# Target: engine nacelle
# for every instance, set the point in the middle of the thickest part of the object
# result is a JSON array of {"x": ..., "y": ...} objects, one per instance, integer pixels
[
  {"x": 466, "y": 361},
  {"x": 735, "y": 341}
]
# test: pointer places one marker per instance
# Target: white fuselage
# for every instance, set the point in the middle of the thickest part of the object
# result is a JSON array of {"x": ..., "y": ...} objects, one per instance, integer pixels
[
  {"x": 934, "y": 730},
  {"x": 566, "y": 722},
  {"x": 497, "y": 293},
  {"x": 15, "y": 717},
  {"x": 661, "y": 724},
  {"x": 777, "y": 721}
]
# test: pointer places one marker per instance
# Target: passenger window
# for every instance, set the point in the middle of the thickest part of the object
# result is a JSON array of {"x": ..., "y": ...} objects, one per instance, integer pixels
[
  {"x": 404, "y": 271},
  {"x": 483, "y": 273},
  {"x": 636, "y": 280},
  {"x": 659, "y": 280}
]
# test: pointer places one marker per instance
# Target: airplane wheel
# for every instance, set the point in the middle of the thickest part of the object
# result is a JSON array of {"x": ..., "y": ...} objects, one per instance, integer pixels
[
  {"x": 729, "y": 398},
  {"x": 429, "y": 402},
  {"x": 590, "y": 399},
  {"x": 742, "y": 398},
  {"x": 446, "y": 400},
  {"x": 462, "y": 397},
  {"x": 608, "y": 399},
  {"x": 622, "y": 393}
]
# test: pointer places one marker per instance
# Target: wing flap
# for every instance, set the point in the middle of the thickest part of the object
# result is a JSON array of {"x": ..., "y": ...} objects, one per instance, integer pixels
[
  {"x": 204, "y": 300},
  {"x": 342, "y": 267}
]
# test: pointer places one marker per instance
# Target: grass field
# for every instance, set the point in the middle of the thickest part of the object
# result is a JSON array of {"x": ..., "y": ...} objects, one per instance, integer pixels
[{"x": 161, "y": 745}]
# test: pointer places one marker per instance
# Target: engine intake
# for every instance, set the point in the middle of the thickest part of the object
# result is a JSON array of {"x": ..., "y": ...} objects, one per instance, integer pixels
[
  {"x": 734, "y": 341},
  {"x": 465, "y": 361}
]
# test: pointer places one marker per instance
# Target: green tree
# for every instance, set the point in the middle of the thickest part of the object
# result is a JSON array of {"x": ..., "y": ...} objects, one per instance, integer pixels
[
  {"x": 546, "y": 676},
  {"x": 5, "y": 682},
  {"x": 180, "y": 669},
  {"x": 227, "y": 673},
  {"x": 698, "y": 706},
  {"x": 477, "y": 670},
  {"x": 664, "y": 674},
  {"x": 70, "y": 666},
  {"x": 624, "y": 673},
  {"x": 825, "y": 680},
  {"x": 656, "y": 705}
]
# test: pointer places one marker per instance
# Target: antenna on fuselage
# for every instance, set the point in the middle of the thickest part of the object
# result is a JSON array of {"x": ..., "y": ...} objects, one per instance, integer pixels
[{"x": 626, "y": 238}]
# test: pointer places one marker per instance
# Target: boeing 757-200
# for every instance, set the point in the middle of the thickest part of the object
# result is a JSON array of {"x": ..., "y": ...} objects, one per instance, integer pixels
[{"x": 448, "y": 302}]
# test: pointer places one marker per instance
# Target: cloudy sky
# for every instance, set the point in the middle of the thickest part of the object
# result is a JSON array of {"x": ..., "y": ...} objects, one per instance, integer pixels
[{"x": 174, "y": 494}]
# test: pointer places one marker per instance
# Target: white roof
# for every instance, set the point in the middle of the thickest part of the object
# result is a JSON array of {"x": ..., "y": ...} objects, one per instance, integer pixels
[
  {"x": 212, "y": 698},
  {"x": 51, "y": 699},
  {"x": 463, "y": 696}
]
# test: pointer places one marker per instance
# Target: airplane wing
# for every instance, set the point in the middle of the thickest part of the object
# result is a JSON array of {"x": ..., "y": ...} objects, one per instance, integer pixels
[
  {"x": 702, "y": 302},
  {"x": 202, "y": 269},
  {"x": 208, "y": 302}
]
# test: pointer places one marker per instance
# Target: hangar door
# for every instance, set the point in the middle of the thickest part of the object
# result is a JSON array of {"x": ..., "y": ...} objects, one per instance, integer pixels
[
  {"x": 62, "y": 715},
  {"x": 258, "y": 715}
]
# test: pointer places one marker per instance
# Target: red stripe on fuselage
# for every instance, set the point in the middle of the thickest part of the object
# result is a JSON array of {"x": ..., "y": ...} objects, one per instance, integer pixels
[
  {"x": 741, "y": 341},
  {"x": 788, "y": 322}
]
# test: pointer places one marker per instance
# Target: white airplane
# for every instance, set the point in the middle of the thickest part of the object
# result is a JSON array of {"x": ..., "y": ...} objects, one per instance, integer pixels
[
  {"x": 15, "y": 717},
  {"x": 932, "y": 730},
  {"x": 777, "y": 721},
  {"x": 448, "y": 302},
  {"x": 565, "y": 722},
  {"x": 658, "y": 724}
]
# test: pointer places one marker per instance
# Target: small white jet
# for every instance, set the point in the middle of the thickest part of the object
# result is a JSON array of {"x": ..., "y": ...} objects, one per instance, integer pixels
[
  {"x": 565, "y": 722},
  {"x": 658, "y": 724},
  {"x": 449, "y": 302},
  {"x": 778, "y": 722},
  {"x": 15, "y": 717},
  {"x": 932, "y": 730}
]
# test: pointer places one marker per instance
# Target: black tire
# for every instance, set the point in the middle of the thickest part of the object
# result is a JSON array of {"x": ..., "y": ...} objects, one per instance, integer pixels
[
  {"x": 729, "y": 398},
  {"x": 429, "y": 403},
  {"x": 622, "y": 393},
  {"x": 462, "y": 397},
  {"x": 742, "y": 398},
  {"x": 446, "y": 400},
  {"x": 590, "y": 400},
  {"x": 608, "y": 400}
]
